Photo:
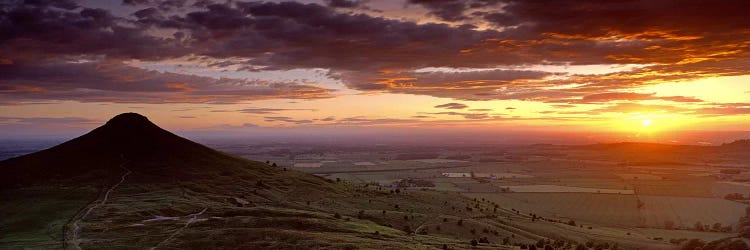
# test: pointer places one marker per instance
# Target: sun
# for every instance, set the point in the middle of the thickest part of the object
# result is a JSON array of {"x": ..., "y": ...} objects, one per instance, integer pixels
[{"x": 646, "y": 123}]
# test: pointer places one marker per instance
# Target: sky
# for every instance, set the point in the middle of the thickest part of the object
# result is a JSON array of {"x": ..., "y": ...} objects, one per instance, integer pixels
[{"x": 620, "y": 70}]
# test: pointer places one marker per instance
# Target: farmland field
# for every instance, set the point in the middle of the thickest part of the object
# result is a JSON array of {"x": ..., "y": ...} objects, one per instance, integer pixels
[
  {"x": 606, "y": 209},
  {"x": 622, "y": 210},
  {"x": 691, "y": 188},
  {"x": 686, "y": 211},
  {"x": 722, "y": 188},
  {"x": 564, "y": 189}
]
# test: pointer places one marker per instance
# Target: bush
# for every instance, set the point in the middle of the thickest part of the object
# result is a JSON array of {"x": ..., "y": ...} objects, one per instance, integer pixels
[
  {"x": 407, "y": 229},
  {"x": 668, "y": 224},
  {"x": 698, "y": 226},
  {"x": 694, "y": 244}
]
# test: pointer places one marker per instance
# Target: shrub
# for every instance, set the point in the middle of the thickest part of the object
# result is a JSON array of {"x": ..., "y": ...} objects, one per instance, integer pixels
[
  {"x": 407, "y": 229},
  {"x": 668, "y": 224}
]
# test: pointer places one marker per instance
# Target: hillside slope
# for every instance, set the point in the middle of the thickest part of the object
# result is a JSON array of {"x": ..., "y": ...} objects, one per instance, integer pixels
[{"x": 130, "y": 184}]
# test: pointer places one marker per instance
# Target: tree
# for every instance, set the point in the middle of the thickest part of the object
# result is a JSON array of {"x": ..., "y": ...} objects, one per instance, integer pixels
[
  {"x": 474, "y": 243},
  {"x": 460, "y": 222},
  {"x": 698, "y": 226},
  {"x": 668, "y": 224},
  {"x": 273, "y": 165},
  {"x": 540, "y": 243},
  {"x": 694, "y": 244},
  {"x": 734, "y": 196}
]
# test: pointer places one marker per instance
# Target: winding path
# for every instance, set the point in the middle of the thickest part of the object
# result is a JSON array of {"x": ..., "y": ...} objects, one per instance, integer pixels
[
  {"x": 192, "y": 219},
  {"x": 76, "y": 228}
]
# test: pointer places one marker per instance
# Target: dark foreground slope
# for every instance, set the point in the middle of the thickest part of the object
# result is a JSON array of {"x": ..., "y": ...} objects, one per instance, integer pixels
[{"x": 132, "y": 185}]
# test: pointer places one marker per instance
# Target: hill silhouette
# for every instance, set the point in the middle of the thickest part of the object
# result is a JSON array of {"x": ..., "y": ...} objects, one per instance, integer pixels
[{"x": 152, "y": 153}]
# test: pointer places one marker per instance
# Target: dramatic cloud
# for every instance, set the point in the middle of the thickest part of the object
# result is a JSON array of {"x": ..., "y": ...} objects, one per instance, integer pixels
[
  {"x": 618, "y": 96},
  {"x": 345, "y": 3},
  {"x": 265, "y": 111},
  {"x": 287, "y": 120},
  {"x": 45, "y": 120},
  {"x": 453, "y": 10},
  {"x": 452, "y": 105},
  {"x": 474, "y": 50},
  {"x": 115, "y": 82},
  {"x": 470, "y": 116}
]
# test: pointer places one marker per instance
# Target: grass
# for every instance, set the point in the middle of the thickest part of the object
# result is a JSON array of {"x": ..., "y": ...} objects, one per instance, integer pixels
[{"x": 35, "y": 217}]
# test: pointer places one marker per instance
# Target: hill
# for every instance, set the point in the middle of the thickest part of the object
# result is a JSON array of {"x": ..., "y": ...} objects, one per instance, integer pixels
[{"x": 131, "y": 184}]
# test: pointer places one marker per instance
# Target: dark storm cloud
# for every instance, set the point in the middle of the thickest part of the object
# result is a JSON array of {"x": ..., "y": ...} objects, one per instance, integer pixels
[
  {"x": 30, "y": 32},
  {"x": 453, "y": 10},
  {"x": 97, "y": 81},
  {"x": 344, "y": 3}
]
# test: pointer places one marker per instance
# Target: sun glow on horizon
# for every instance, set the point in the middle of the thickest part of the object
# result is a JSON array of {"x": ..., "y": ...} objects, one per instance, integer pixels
[{"x": 646, "y": 122}]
